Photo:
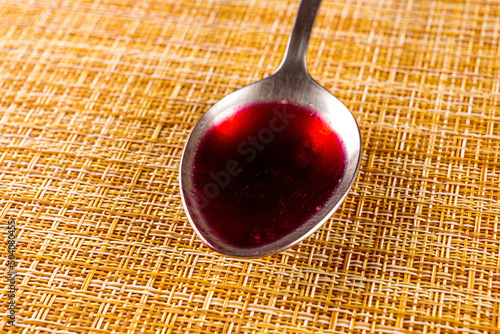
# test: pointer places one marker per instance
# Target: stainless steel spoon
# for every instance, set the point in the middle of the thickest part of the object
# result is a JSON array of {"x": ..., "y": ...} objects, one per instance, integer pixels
[{"x": 291, "y": 82}]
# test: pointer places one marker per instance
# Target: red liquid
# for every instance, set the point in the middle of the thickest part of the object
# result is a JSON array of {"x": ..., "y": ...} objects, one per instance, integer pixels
[{"x": 265, "y": 171}]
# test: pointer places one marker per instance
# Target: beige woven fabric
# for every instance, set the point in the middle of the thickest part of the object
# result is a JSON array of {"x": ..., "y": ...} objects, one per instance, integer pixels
[{"x": 97, "y": 99}]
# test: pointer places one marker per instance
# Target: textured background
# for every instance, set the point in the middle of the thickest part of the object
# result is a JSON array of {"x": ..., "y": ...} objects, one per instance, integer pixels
[{"x": 97, "y": 99}]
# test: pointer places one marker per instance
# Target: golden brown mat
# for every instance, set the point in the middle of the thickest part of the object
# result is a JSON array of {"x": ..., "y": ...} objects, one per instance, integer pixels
[{"x": 97, "y": 99}]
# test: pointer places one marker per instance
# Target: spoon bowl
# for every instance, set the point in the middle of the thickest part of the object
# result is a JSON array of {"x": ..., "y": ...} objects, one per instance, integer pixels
[{"x": 291, "y": 83}]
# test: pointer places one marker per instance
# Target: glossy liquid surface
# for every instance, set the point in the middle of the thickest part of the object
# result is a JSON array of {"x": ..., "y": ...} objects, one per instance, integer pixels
[{"x": 263, "y": 172}]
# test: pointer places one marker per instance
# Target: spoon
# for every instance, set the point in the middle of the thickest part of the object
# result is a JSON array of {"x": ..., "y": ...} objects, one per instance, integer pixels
[{"x": 290, "y": 86}]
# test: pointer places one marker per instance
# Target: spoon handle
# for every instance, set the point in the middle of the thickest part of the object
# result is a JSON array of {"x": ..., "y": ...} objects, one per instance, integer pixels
[{"x": 295, "y": 55}]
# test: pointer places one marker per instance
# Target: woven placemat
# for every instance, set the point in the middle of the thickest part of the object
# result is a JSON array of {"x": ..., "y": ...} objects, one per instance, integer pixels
[{"x": 98, "y": 97}]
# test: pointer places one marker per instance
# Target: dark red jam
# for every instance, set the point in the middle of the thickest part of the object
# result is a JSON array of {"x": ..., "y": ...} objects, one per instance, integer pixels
[{"x": 264, "y": 171}]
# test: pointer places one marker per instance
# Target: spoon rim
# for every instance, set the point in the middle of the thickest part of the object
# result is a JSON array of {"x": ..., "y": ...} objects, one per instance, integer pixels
[{"x": 312, "y": 225}]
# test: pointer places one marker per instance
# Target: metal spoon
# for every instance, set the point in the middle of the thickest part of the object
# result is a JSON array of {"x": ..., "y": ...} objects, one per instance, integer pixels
[{"x": 291, "y": 82}]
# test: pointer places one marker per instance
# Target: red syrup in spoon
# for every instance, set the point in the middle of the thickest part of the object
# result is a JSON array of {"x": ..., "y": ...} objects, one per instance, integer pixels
[{"x": 261, "y": 173}]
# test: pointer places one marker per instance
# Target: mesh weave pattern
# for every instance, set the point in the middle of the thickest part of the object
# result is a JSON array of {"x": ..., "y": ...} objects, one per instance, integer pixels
[{"x": 97, "y": 99}]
